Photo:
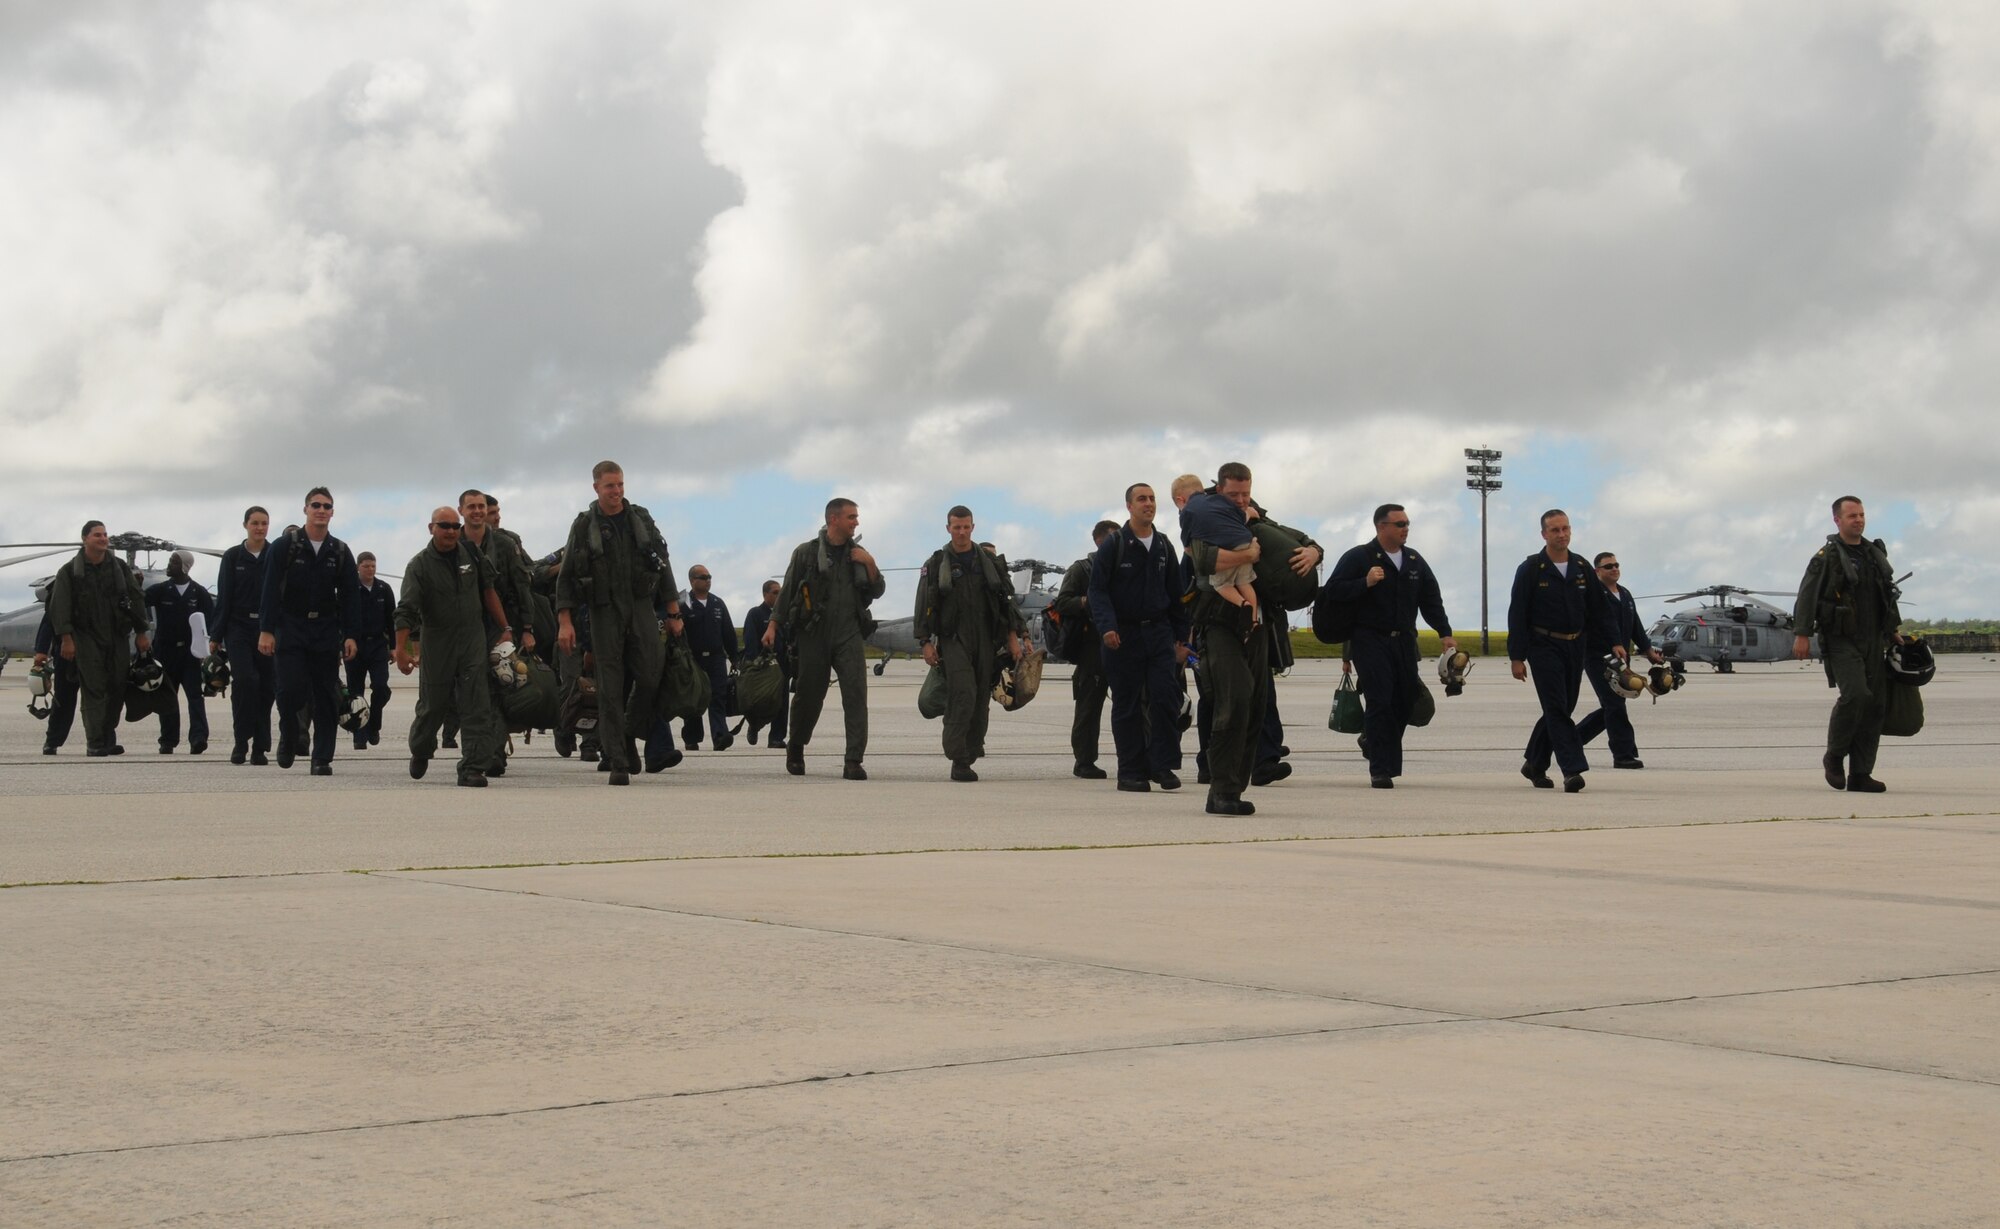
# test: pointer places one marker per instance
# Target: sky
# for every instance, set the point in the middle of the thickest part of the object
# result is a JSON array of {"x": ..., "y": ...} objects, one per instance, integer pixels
[{"x": 1694, "y": 271}]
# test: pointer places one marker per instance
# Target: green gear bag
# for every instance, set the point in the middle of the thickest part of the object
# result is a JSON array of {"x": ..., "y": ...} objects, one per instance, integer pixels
[
  {"x": 1346, "y": 715},
  {"x": 760, "y": 689},
  {"x": 931, "y": 696},
  {"x": 1423, "y": 705},
  {"x": 684, "y": 686},
  {"x": 1903, "y": 715},
  {"x": 536, "y": 704}
]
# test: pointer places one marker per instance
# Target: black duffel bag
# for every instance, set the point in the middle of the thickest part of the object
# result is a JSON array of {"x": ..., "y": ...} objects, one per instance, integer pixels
[{"x": 1275, "y": 578}]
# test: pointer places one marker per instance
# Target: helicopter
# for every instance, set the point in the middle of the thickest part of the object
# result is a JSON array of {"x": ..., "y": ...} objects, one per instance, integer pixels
[
  {"x": 18, "y": 627},
  {"x": 897, "y": 637},
  {"x": 1737, "y": 626}
]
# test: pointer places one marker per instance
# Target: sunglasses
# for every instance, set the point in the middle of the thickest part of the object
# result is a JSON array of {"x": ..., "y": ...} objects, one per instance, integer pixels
[
  {"x": 1607, "y": 567},
  {"x": 317, "y": 506},
  {"x": 701, "y": 576},
  {"x": 453, "y": 526},
  {"x": 1399, "y": 524}
]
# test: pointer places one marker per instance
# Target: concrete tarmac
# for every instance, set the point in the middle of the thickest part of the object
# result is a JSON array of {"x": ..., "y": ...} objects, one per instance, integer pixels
[{"x": 1713, "y": 992}]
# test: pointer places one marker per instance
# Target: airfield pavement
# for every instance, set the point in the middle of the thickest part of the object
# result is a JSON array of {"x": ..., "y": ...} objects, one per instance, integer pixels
[{"x": 1713, "y": 992}]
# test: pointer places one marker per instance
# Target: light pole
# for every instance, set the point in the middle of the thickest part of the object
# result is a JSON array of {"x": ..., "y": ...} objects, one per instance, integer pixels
[{"x": 1483, "y": 475}]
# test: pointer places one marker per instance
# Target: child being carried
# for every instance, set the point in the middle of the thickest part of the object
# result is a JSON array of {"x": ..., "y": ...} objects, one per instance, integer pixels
[{"x": 1210, "y": 518}]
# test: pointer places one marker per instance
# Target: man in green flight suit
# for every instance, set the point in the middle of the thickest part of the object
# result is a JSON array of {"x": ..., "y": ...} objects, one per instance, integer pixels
[
  {"x": 95, "y": 602},
  {"x": 965, "y": 609},
  {"x": 822, "y": 614},
  {"x": 1848, "y": 597},
  {"x": 616, "y": 565},
  {"x": 448, "y": 592},
  {"x": 510, "y": 580}
]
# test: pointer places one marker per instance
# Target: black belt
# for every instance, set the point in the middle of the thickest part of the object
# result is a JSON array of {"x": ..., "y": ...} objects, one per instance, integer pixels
[{"x": 1559, "y": 635}]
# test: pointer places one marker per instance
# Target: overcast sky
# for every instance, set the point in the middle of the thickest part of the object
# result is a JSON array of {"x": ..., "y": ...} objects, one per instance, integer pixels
[{"x": 1696, "y": 277}]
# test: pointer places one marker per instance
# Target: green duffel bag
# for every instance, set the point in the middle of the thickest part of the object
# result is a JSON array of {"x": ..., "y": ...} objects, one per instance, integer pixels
[
  {"x": 1275, "y": 578},
  {"x": 760, "y": 689},
  {"x": 684, "y": 687},
  {"x": 931, "y": 696},
  {"x": 1423, "y": 705},
  {"x": 536, "y": 704},
  {"x": 1346, "y": 715},
  {"x": 545, "y": 628},
  {"x": 1904, "y": 714}
]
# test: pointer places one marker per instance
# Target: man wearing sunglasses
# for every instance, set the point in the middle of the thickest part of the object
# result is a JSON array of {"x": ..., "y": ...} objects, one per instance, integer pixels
[
  {"x": 311, "y": 612},
  {"x": 449, "y": 593},
  {"x": 711, "y": 633},
  {"x": 1611, "y": 717},
  {"x": 1388, "y": 584}
]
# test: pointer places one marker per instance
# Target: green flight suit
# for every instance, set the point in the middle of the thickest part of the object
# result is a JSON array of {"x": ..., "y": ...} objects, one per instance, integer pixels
[
  {"x": 1848, "y": 598},
  {"x": 444, "y": 596},
  {"x": 1236, "y": 675},
  {"x": 619, "y": 569},
  {"x": 822, "y": 613},
  {"x": 966, "y": 604},
  {"x": 511, "y": 581},
  {"x": 99, "y": 606}
]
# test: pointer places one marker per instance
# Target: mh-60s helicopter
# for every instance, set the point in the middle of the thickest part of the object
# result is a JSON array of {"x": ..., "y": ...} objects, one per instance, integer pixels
[
  {"x": 1736, "y": 626},
  {"x": 897, "y": 637},
  {"x": 17, "y": 627}
]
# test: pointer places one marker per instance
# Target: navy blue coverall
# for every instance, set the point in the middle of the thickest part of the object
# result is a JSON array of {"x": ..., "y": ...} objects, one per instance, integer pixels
[
  {"x": 1384, "y": 645},
  {"x": 253, "y": 677},
  {"x": 63, "y": 684},
  {"x": 310, "y": 604},
  {"x": 374, "y": 636},
  {"x": 173, "y": 647},
  {"x": 1137, "y": 593},
  {"x": 1558, "y": 622},
  {"x": 711, "y": 633}
]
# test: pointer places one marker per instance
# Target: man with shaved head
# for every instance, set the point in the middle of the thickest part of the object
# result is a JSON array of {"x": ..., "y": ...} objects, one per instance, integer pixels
[{"x": 448, "y": 591}]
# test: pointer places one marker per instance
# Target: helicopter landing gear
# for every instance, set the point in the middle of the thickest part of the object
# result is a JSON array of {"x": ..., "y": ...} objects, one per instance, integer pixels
[{"x": 880, "y": 666}]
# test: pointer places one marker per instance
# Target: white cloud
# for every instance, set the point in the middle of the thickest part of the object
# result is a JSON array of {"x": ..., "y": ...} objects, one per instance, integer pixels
[{"x": 1727, "y": 261}]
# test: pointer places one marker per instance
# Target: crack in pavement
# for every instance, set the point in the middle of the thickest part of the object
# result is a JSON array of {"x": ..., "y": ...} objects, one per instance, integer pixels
[
  {"x": 1674, "y": 881},
  {"x": 1298, "y": 838},
  {"x": 1434, "y": 1017},
  {"x": 1442, "y": 1014},
  {"x": 1751, "y": 994},
  {"x": 753, "y": 1086}
]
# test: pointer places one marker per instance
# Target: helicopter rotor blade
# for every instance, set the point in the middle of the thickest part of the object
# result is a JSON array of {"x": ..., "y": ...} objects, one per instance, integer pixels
[
  {"x": 32, "y": 545},
  {"x": 7, "y": 563}
]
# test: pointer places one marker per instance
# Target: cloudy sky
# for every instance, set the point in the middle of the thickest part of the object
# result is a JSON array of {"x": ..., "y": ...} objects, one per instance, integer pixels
[{"x": 1695, "y": 274}]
